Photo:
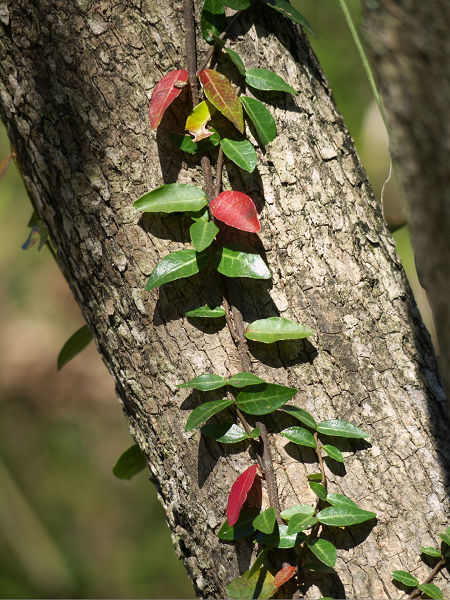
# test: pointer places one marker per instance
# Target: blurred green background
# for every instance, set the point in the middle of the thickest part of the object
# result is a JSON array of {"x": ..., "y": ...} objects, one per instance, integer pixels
[{"x": 68, "y": 527}]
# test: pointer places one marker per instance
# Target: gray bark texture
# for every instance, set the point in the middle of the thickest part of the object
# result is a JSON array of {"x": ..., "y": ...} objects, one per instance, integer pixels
[
  {"x": 410, "y": 49},
  {"x": 75, "y": 82}
]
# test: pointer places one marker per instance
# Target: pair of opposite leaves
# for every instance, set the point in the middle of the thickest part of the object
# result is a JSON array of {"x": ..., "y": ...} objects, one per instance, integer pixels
[{"x": 233, "y": 208}]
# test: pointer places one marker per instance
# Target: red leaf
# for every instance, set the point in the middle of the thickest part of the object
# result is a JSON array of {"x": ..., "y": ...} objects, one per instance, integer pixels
[
  {"x": 221, "y": 93},
  {"x": 236, "y": 209},
  {"x": 254, "y": 496},
  {"x": 284, "y": 575},
  {"x": 238, "y": 494},
  {"x": 164, "y": 94}
]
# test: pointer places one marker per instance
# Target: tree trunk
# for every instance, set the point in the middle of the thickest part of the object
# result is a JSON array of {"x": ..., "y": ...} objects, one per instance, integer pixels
[
  {"x": 410, "y": 47},
  {"x": 75, "y": 82}
]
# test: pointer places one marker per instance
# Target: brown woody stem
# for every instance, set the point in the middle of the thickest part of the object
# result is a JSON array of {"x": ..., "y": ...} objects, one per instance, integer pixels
[{"x": 438, "y": 566}]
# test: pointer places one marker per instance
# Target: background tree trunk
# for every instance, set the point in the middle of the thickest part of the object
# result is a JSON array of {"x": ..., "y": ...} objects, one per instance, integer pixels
[
  {"x": 410, "y": 47},
  {"x": 75, "y": 83}
]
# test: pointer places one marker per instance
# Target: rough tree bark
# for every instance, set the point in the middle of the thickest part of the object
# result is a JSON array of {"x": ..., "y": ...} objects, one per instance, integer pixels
[
  {"x": 410, "y": 47},
  {"x": 75, "y": 82}
]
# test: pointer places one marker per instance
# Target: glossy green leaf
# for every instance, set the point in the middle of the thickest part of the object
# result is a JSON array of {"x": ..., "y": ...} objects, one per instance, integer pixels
[
  {"x": 338, "y": 428},
  {"x": 259, "y": 585},
  {"x": 333, "y": 452},
  {"x": 265, "y": 521},
  {"x": 324, "y": 550},
  {"x": 203, "y": 412},
  {"x": 300, "y": 522},
  {"x": 430, "y": 551},
  {"x": 242, "y": 153},
  {"x": 319, "y": 489},
  {"x": 263, "y": 79},
  {"x": 299, "y": 509},
  {"x": 431, "y": 590},
  {"x": 300, "y": 414},
  {"x": 223, "y": 95},
  {"x": 237, "y": 61},
  {"x": 241, "y": 380},
  {"x": 199, "y": 215},
  {"x": 238, "y": 4},
  {"x": 185, "y": 143},
  {"x": 235, "y": 261},
  {"x": 445, "y": 537},
  {"x": 275, "y": 329},
  {"x": 131, "y": 462},
  {"x": 280, "y": 538},
  {"x": 344, "y": 515},
  {"x": 212, "y": 20},
  {"x": 179, "y": 264},
  {"x": 264, "y": 399},
  {"x": 204, "y": 383},
  {"x": 314, "y": 477},
  {"x": 340, "y": 500},
  {"x": 300, "y": 436},
  {"x": 225, "y": 433},
  {"x": 405, "y": 578},
  {"x": 261, "y": 118},
  {"x": 255, "y": 433},
  {"x": 292, "y": 13},
  {"x": 243, "y": 528},
  {"x": 172, "y": 197},
  {"x": 206, "y": 312},
  {"x": 74, "y": 345},
  {"x": 202, "y": 234}
]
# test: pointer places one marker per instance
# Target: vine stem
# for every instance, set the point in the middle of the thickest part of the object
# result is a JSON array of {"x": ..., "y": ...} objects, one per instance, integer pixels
[
  {"x": 234, "y": 317},
  {"x": 429, "y": 579}
]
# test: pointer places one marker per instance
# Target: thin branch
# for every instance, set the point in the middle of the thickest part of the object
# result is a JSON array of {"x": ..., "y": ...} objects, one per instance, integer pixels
[
  {"x": 219, "y": 171},
  {"x": 428, "y": 579},
  {"x": 210, "y": 52},
  {"x": 269, "y": 472}
]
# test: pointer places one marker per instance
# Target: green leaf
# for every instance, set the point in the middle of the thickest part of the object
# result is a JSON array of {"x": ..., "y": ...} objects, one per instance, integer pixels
[
  {"x": 203, "y": 412},
  {"x": 241, "y": 380},
  {"x": 235, "y": 261},
  {"x": 431, "y": 590},
  {"x": 292, "y": 13},
  {"x": 445, "y": 537},
  {"x": 314, "y": 477},
  {"x": 341, "y": 500},
  {"x": 263, "y": 79},
  {"x": 243, "y": 528},
  {"x": 264, "y": 399},
  {"x": 204, "y": 383},
  {"x": 202, "y": 234},
  {"x": 261, "y": 118},
  {"x": 265, "y": 521},
  {"x": 238, "y": 4},
  {"x": 300, "y": 522},
  {"x": 338, "y": 428},
  {"x": 206, "y": 312},
  {"x": 405, "y": 578},
  {"x": 259, "y": 585},
  {"x": 333, "y": 452},
  {"x": 225, "y": 433},
  {"x": 185, "y": 143},
  {"x": 298, "y": 509},
  {"x": 259, "y": 561},
  {"x": 430, "y": 551},
  {"x": 280, "y": 539},
  {"x": 199, "y": 215},
  {"x": 344, "y": 515},
  {"x": 131, "y": 462},
  {"x": 74, "y": 345},
  {"x": 212, "y": 20},
  {"x": 275, "y": 329},
  {"x": 255, "y": 433},
  {"x": 300, "y": 436},
  {"x": 172, "y": 197},
  {"x": 242, "y": 153},
  {"x": 237, "y": 61},
  {"x": 179, "y": 264},
  {"x": 319, "y": 489},
  {"x": 324, "y": 551},
  {"x": 301, "y": 415}
]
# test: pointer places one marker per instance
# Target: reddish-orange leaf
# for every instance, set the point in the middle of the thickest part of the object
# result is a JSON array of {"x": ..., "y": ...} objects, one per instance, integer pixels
[
  {"x": 221, "y": 93},
  {"x": 238, "y": 494},
  {"x": 284, "y": 575},
  {"x": 165, "y": 93},
  {"x": 236, "y": 209}
]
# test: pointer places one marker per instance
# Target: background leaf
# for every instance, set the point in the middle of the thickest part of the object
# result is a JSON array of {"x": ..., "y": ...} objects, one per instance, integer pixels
[
  {"x": 280, "y": 538},
  {"x": 212, "y": 20},
  {"x": 74, "y": 345},
  {"x": 265, "y": 521},
  {"x": 203, "y": 412},
  {"x": 405, "y": 578},
  {"x": 206, "y": 312},
  {"x": 238, "y": 4},
  {"x": 258, "y": 584},
  {"x": 324, "y": 550},
  {"x": 237, "y": 61},
  {"x": 243, "y": 528},
  {"x": 301, "y": 509},
  {"x": 430, "y": 551},
  {"x": 333, "y": 452},
  {"x": 242, "y": 153},
  {"x": 238, "y": 493},
  {"x": 344, "y": 515},
  {"x": 222, "y": 94},
  {"x": 284, "y": 575},
  {"x": 275, "y": 329},
  {"x": 225, "y": 433},
  {"x": 340, "y": 500},
  {"x": 261, "y": 118},
  {"x": 204, "y": 383},
  {"x": 185, "y": 143},
  {"x": 431, "y": 590},
  {"x": 292, "y": 13},
  {"x": 339, "y": 428},
  {"x": 300, "y": 436},
  {"x": 319, "y": 489},
  {"x": 172, "y": 197},
  {"x": 300, "y": 522},
  {"x": 264, "y": 399},
  {"x": 179, "y": 264},
  {"x": 263, "y": 79},
  {"x": 164, "y": 94},
  {"x": 131, "y": 462},
  {"x": 235, "y": 261},
  {"x": 202, "y": 234},
  {"x": 241, "y": 380},
  {"x": 237, "y": 210},
  {"x": 300, "y": 414}
]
